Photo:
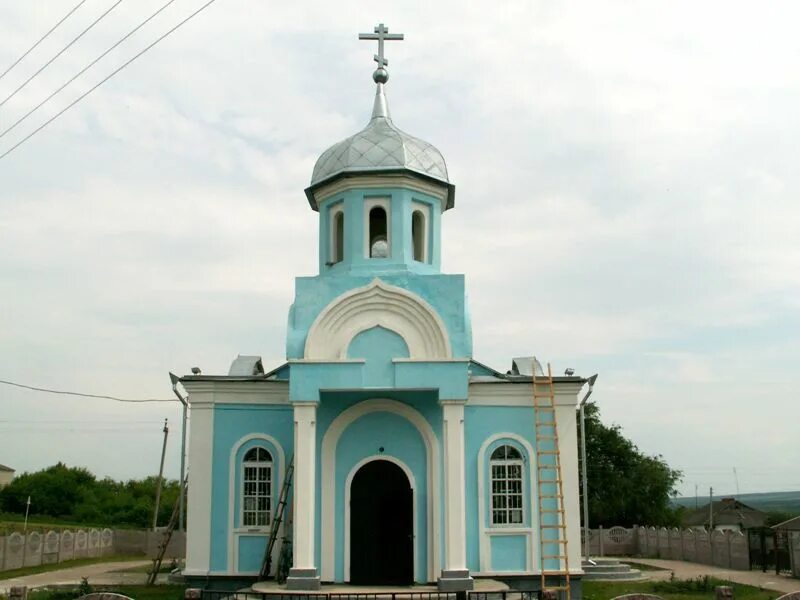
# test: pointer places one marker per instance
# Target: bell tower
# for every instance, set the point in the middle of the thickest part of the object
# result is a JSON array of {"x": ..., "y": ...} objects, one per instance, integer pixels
[{"x": 380, "y": 193}]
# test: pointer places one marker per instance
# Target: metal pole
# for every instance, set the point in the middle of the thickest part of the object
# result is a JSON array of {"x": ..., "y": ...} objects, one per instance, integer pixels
[
  {"x": 591, "y": 381},
  {"x": 160, "y": 476},
  {"x": 184, "y": 401},
  {"x": 27, "y": 509},
  {"x": 710, "y": 509}
]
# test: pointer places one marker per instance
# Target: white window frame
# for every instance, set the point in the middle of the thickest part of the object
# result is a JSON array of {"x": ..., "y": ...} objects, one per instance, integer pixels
[
  {"x": 386, "y": 204},
  {"x": 425, "y": 209},
  {"x": 507, "y": 463},
  {"x": 333, "y": 212},
  {"x": 256, "y": 464}
]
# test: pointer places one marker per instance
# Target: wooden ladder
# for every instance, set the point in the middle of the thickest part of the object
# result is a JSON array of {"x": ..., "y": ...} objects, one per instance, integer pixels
[
  {"x": 277, "y": 519},
  {"x": 166, "y": 536},
  {"x": 550, "y": 487}
]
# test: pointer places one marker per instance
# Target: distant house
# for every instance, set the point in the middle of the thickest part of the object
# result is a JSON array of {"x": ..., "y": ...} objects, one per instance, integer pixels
[
  {"x": 6, "y": 475},
  {"x": 728, "y": 514},
  {"x": 789, "y": 525}
]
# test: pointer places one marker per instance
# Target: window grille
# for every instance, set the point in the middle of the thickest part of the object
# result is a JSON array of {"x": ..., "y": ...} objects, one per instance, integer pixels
[
  {"x": 506, "y": 474},
  {"x": 256, "y": 488}
]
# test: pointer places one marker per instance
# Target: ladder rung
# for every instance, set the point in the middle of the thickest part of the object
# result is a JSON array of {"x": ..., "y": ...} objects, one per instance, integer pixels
[
  {"x": 547, "y": 452},
  {"x": 553, "y": 556},
  {"x": 552, "y": 541},
  {"x": 550, "y": 496},
  {"x": 550, "y": 510},
  {"x": 552, "y": 527}
]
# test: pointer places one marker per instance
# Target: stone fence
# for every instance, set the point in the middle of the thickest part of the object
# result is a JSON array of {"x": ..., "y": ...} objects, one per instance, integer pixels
[
  {"x": 726, "y": 549},
  {"x": 38, "y": 548}
]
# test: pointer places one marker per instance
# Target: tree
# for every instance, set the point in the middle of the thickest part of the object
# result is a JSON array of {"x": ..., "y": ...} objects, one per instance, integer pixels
[
  {"x": 626, "y": 487},
  {"x": 73, "y": 493}
]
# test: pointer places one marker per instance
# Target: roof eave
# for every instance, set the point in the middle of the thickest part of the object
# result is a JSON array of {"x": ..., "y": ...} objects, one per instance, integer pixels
[{"x": 310, "y": 191}]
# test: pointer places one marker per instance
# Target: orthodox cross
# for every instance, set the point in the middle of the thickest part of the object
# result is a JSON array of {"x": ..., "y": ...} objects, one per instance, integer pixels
[{"x": 381, "y": 34}]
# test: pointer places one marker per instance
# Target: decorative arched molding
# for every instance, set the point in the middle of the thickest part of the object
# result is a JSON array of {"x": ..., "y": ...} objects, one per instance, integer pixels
[
  {"x": 328, "y": 454},
  {"x": 484, "y": 545},
  {"x": 347, "y": 485},
  {"x": 378, "y": 304},
  {"x": 233, "y": 469}
]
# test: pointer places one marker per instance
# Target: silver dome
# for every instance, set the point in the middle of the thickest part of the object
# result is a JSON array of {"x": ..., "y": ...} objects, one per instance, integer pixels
[{"x": 380, "y": 146}]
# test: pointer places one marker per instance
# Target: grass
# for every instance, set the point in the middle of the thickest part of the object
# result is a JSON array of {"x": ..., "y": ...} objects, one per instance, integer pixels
[
  {"x": 675, "y": 589},
  {"x": 67, "y": 564},
  {"x": 166, "y": 567},
  {"x": 137, "y": 592}
]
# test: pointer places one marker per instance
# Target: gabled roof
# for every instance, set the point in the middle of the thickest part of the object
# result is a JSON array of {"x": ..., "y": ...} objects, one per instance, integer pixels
[
  {"x": 790, "y": 524},
  {"x": 7, "y": 469},
  {"x": 727, "y": 511}
]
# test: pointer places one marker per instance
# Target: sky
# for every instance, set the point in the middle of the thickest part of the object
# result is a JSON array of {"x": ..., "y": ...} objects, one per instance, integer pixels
[{"x": 626, "y": 204}]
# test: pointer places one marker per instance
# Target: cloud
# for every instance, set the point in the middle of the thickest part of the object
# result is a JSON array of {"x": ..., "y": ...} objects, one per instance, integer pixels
[{"x": 626, "y": 182}]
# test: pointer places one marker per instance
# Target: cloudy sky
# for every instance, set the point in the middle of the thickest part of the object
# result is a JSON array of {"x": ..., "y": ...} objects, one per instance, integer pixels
[{"x": 627, "y": 204}]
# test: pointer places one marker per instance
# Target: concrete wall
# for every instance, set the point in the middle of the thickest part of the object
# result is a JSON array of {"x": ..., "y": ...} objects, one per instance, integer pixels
[
  {"x": 43, "y": 548},
  {"x": 726, "y": 549},
  {"x": 794, "y": 552}
]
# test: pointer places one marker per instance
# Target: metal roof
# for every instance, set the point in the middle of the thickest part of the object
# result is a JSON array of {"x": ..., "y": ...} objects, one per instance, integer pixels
[
  {"x": 8, "y": 469},
  {"x": 379, "y": 148}
]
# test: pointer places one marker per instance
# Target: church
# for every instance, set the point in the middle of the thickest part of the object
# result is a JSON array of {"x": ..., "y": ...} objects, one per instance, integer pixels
[{"x": 402, "y": 458}]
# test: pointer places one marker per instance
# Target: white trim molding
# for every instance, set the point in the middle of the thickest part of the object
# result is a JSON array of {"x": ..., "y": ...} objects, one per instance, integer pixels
[
  {"x": 198, "y": 517},
  {"x": 279, "y": 466},
  {"x": 484, "y": 532},
  {"x": 328, "y": 453},
  {"x": 304, "y": 488},
  {"x": 347, "y": 518},
  {"x": 378, "y": 304}
]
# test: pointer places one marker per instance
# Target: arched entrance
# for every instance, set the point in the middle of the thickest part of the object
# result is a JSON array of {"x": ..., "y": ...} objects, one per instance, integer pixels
[{"x": 381, "y": 525}]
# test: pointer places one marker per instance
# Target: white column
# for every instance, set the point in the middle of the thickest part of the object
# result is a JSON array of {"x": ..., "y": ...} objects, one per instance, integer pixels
[
  {"x": 303, "y": 574},
  {"x": 455, "y": 575},
  {"x": 198, "y": 518}
]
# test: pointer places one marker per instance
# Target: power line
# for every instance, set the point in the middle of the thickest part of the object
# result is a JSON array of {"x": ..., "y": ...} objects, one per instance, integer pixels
[
  {"x": 86, "y": 68},
  {"x": 60, "y": 52},
  {"x": 41, "y": 39},
  {"x": 102, "y": 397},
  {"x": 102, "y": 81}
]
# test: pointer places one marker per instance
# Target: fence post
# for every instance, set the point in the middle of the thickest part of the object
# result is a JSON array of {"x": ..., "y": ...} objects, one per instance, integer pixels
[
  {"x": 723, "y": 592},
  {"x": 19, "y": 592},
  {"x": 600, "y": 537}
]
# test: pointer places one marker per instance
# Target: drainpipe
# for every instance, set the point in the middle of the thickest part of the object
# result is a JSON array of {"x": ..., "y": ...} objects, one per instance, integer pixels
[
  {"x": 584, "y": 478},
  {"x": 181, "y": 499}
]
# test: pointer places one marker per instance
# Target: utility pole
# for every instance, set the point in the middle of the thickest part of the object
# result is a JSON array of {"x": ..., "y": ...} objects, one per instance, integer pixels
[
  {"x": 27, "y": 509},
  {"x": 710, "y": 509},
  {"x": 160, "y": 476},
  {"x": 696, "y": 499}
]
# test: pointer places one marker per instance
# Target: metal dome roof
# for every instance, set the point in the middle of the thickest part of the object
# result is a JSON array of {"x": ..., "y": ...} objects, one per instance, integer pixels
[{"x": 380, "y": 146}]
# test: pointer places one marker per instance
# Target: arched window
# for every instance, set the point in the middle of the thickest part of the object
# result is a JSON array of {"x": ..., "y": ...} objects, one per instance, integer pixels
[
  {"x": 337, "y": 246},
  {"x": 256, "y": 487},
  {"x": 506, "y": 466},
  {"x": 378, "y": 240},
  {"x": 418, "y": 235}
]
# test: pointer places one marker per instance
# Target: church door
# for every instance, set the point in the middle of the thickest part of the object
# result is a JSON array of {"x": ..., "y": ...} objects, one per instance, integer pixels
[{"x": 381, "y": 526}]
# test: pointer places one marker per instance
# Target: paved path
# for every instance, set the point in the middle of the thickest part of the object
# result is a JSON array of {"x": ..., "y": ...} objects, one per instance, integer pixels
[
  {"x": 97, "y": 574},
  {"x": 687, "y": 570}
]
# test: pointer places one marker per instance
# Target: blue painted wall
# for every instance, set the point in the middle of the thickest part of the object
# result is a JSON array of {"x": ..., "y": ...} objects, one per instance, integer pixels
[
  {"x": 232, "y": 422},
  {"x": 399, "y": 439},
  {"x": 481, "y": 423},
  {"x": 509, "y": 552}
]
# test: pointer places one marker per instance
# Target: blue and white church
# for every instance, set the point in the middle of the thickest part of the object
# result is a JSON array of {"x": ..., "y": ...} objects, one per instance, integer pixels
[{"x": 412, "y": 461}]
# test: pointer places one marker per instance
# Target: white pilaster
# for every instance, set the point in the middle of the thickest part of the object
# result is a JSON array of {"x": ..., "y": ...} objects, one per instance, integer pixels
[
  {"x": 303, "y": 574},
  {"x": 198, "y": 517},
  {"x": 455, "y": 575}
]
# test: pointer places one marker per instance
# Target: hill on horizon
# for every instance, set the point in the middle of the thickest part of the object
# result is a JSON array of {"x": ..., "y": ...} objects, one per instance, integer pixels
[{"x": 766, "y": 501}]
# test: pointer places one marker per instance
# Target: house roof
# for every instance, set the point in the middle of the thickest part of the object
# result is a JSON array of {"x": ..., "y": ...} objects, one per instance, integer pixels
[
  {"x": 8, "y": 469},
  {"x": 790, "y": 524},
  {"x": 727, "y": 511}
]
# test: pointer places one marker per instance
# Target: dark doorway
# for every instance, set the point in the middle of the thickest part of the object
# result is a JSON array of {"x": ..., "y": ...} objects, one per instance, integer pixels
[{"x": 381, "y": 526}]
